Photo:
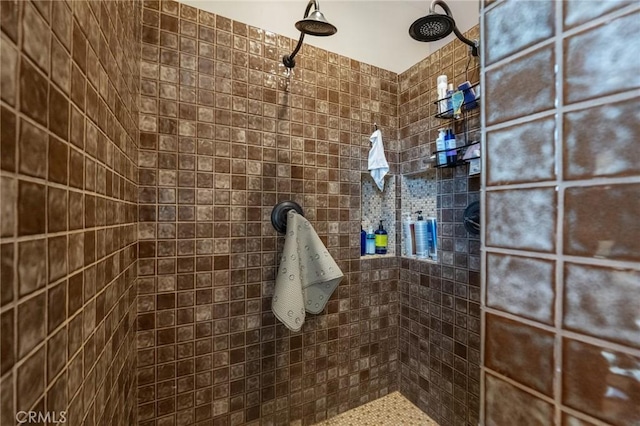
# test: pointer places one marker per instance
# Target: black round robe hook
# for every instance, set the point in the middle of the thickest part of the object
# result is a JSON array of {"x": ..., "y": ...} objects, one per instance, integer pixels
[{"x": 279, "y": 214}]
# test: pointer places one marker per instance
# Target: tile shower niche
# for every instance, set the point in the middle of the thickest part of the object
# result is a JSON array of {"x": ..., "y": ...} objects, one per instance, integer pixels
[
  {"x": 418, "y": 191},
  {"x": 377, "y": 206}
]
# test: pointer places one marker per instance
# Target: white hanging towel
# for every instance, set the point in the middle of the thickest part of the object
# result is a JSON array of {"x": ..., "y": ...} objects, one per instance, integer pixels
[
  {"x": 378, "y": 164},
  {"x": 307, "y": 275}
]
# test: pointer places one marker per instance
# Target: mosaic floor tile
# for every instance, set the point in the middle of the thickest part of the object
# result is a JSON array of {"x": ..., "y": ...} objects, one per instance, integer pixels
[{"x": 391, "y": 410}]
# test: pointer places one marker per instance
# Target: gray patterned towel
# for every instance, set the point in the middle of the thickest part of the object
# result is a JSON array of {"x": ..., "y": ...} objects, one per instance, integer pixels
[{"x": 307, "y": 275}]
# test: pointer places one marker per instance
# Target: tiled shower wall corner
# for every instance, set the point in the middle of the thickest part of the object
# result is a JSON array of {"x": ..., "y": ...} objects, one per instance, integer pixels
[
  {"x": 68, "y": 190},
  {"x": 439, "y": 333},
  {"x": 562, "y": 281},
  {"x": 224, "y": 137}
]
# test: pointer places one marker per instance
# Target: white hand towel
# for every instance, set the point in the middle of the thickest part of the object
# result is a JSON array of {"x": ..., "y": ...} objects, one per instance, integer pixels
[
  {"x": 378, "y": 164},
  {"x": 307, "y": 275}
]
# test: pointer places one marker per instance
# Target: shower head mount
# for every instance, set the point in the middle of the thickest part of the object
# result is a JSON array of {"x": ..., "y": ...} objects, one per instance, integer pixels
[
  {"x": 436, "y": 26},
  {"x": 314, "y": 24}
]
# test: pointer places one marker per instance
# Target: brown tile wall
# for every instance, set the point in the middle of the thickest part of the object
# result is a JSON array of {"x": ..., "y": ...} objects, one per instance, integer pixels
[
  {"x": 224, "y": 137},
  {"x": 561, "y": 283},
  {"x": 439, "y": 334},
  {"x": 68, "y": 190}
]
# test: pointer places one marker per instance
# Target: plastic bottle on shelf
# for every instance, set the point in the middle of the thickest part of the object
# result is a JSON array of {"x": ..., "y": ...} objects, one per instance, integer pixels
[
  {"x": 441, "y": 155},
  {"x": 407, "y": 234},
  {"x": 442, "y": 93},
  {"x": 450, "y": 146},
  {"x": 371, "y": 242},
  {"x": 381, "y": 240},
  {"x": 449, "y": 111},
  {"x": 432, "y": 236},
  {"x": 469, "y": 95},
  {"x": 422, "y": 248},
  {"x": 363, "y": 241}
]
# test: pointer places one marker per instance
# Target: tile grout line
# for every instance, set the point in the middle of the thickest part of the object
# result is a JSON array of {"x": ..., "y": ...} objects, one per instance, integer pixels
[
  {"x": 560, "y": 190},
  {"x": 579, "y": 336},
  {"x": 483, "y": 220}
]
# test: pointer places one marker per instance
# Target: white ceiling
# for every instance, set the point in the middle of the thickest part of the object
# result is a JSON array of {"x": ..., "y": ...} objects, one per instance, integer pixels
[{"x": 373, "y": 31}]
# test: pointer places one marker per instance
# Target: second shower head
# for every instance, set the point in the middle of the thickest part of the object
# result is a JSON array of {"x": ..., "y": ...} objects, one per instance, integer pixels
[
  {"x": 436, "y": 26},
  {"x": 432, "y": 27}
]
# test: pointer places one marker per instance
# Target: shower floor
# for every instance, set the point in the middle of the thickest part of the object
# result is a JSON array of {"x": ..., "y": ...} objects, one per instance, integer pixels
[{"x": 390, "y": 410}]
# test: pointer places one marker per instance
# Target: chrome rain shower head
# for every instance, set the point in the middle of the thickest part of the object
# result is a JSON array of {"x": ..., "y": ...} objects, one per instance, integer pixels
[
  {"x": 315, "y": 24},
  {"x": 436, "y": 26}
]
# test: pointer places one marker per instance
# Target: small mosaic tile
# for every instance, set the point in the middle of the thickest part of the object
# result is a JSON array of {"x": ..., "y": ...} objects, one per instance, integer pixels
[{"x": 390, "y": 410}]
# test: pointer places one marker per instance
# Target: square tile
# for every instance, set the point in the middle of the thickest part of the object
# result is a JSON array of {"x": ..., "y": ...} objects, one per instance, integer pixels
[
  {"x": 587, "y": 155},
  {"x": 522, "y": 153},
  {"x": 31, "y": 324},
  {"x": 605, "y": 311},
  {"x": 32, "y": 268},
  {"x": 33, "y": 92},
  {"x": 604, "y": 43},
  {"x": 506, "y": 404},
  {"x": 522, "y": 219},
  {"x": 522, "y": 286},
  {"x": 607, "y": 232},
  {"x": 529, "y": 359},
  {"x": 608, "y": 370},
  {"x": 533, "y": 75},
  {"x": 512, "y": 26},
  {"x": 32, "y": 150}
]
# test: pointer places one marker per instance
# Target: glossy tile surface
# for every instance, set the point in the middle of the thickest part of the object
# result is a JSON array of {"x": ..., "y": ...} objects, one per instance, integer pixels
[
  {"x": 522, "y": 153},
  {"x": 569, "y": 263},
  {"x": 588, "y": 54},
  {"x": 532, "y": 75},
  {"x": 588, "y": 154},
  {"x": 529, "y": 359},
  {"x": 610, "y": 390},
  {"x": 608, "y": 233},
  {"x": 68, "y": 183},
  {"x": 524, "y": 219},
  {"x": 513, "y": 26},
  {"x": 506, "y": 404},
  {"x": 603, "y": 302},
  {"x": 522, "y": 286},
  {"x": 581, "y": 11}
]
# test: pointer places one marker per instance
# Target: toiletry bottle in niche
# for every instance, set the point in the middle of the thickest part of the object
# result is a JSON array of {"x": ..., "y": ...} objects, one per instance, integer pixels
[
  {"x": 442, "y": 93},
  {"x": 450, "y": 145},
  {"x": 432, "y": 236},
  {"x": 441, "y": 155},
  {"x": 422, "y": 248},
  {"x": 363, "y": 241},
  {"x": 407, "y": 234},
  {"x": 381, "y": 240},
  {"x": 371, "y": 241}
]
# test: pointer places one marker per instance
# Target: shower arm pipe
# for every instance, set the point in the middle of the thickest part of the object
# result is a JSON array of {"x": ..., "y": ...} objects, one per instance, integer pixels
[
  {"x": 288, "y": 60},
  {"x": 443, "y": 5}
]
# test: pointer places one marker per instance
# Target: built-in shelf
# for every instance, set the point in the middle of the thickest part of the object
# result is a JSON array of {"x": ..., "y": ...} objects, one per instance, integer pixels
[
  {"x": 379, "y": 205},
  {"x": 377, "y": 256},
  {"x": 429, "y": 260}
]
